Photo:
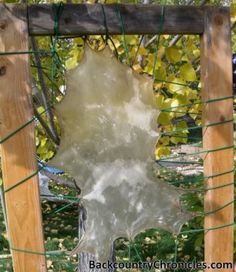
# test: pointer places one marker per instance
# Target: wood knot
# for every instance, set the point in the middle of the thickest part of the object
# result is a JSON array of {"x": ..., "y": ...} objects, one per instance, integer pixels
[
  {"x": 3, "y": 25},
  {"x": 218, "y": 20},
  {"x": 222, "y": 118},
  {"x": 67, "y": 20},
  {"x": 3, "y": 70}
]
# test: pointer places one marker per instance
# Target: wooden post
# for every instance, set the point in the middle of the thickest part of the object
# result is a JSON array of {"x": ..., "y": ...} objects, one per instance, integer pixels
[
  {"x": 216, "y": 70},
  {"x": 18, "y": 152},
  {"x": 85, "y": 257}
]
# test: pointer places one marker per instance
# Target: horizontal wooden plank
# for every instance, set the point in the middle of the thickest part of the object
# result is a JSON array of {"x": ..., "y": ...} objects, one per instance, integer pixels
[{"x": 82, "y": 19}]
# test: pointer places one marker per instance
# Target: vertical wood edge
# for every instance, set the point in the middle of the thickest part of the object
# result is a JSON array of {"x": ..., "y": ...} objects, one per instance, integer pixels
[
  {"x": 216, "y": 77},
  {"x": 18, "y": 152}
]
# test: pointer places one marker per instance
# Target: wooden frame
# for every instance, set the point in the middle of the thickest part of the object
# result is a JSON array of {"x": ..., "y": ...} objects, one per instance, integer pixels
[{"x": 17, "y": 22}]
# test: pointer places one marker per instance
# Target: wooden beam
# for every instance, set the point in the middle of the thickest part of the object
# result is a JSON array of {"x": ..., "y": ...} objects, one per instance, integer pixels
[
  {"x": 18, "y": 152},
  {"x": 83, "y": 19},
  {"x": 216, "y": 70}
]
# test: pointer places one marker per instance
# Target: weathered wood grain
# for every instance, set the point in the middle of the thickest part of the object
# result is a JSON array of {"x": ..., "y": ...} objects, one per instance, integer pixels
[
  {"x": 18, "y": 152},
  {"x": 216, "y": 70},
  {"x": 83, "y": 19}
]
